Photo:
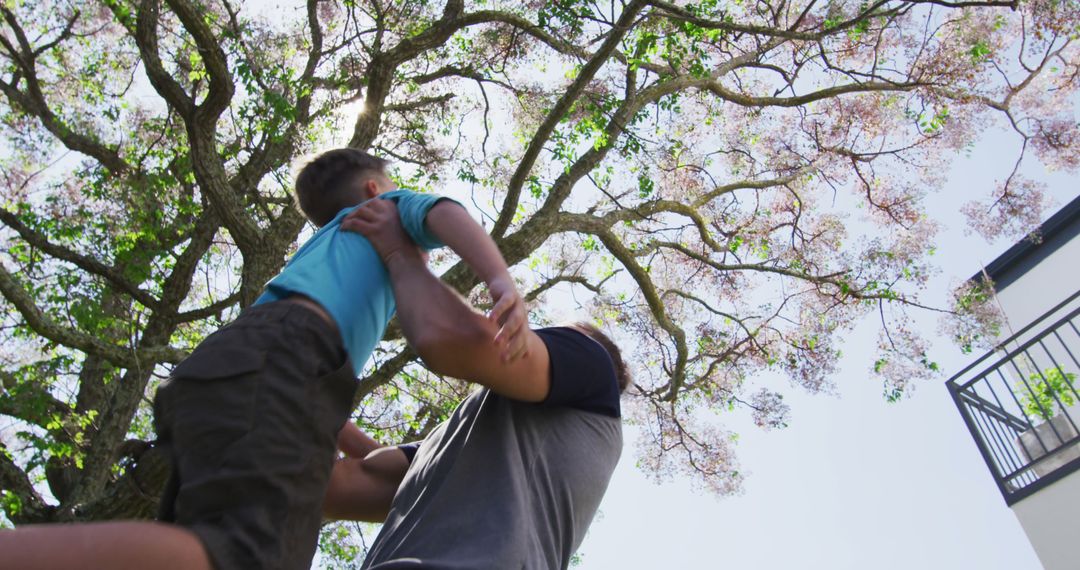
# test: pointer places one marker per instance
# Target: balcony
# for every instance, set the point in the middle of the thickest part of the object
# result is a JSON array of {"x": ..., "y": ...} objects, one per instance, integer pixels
[{"x": 1023, "y": 408}]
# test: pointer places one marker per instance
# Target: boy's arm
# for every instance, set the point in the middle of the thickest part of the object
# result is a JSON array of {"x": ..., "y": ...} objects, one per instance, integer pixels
[
  {"x": 362, "y": 487},
  {"x": 446, "y": 332},
  {"x": 355, "y": 443},
  {"x": 454, "y": 227}
]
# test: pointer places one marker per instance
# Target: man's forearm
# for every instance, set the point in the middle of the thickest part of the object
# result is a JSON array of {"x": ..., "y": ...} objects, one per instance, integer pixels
[
  {"x": 498, "y": 351},
  {"x": 455, "y": 340},
  {"x": 364, "y": 489},
  {"x": 432, "y": 316}
]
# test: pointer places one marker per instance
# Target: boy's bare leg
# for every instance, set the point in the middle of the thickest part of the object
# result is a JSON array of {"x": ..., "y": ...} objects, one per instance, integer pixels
[{"x": 114, "y": 545}]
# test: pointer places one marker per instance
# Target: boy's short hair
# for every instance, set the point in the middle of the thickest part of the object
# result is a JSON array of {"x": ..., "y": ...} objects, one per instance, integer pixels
[
  {"x": 622, "y": 373},
  {"x": 329, "y": 182}
]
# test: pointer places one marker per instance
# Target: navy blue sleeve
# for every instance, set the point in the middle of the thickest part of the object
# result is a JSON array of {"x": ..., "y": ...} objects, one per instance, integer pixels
[
  {"x": 582, "y": 375},
  {"x": 409, "y": 449}
]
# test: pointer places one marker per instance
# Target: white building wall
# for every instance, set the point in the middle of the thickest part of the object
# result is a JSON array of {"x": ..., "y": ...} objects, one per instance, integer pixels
[
  {"x": 1049, "y": 519},
  {"x": 1025, "y": 292},
  {"x": 1042, "y": 286}
]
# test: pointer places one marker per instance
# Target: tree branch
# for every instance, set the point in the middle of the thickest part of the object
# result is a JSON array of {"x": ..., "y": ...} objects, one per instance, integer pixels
[
  {"x": 34, "y": 102},
  {"x": 221, "y": 87},
  {"x": 209, "y": 310},
  {"x": 590, "y": 225},
  {"x": 555, "y": 115},
  {"x": 146, "y": 38},
  {"x": 29, "y": 401},
  {"x": 380, "y": 72},
  {"x": 419, "y": 103},
  {"x": 548, "y": 284},
  {"x": 88, "y": 264},
  {"x": 384, "y": 373},
  {"x": 32, "y": 507},
  {"x": 799, "y": 100},
  {"x": 49, "y": 329}
]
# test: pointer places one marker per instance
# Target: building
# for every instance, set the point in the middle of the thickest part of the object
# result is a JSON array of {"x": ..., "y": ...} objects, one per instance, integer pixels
[{"x": 1020, "y": 400}]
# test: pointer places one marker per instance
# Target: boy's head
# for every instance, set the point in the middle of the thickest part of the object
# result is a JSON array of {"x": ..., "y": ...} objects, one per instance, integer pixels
[
  {"x": 337, "y": 179},
  {"x": 622, "y": 374}
]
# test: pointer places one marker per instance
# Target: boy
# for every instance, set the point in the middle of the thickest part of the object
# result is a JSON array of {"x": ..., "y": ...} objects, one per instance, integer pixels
[{"x": 251, "y": 417}]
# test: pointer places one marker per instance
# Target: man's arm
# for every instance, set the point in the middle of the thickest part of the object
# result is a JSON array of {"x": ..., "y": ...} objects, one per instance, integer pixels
[
  {"x": 454, "y": 227},
  {"x": 362, "y": 487},
  {"x": 446, "y": 332},
  {"x": 455, "y": 340},
  {"x": 449, "y": 224}
]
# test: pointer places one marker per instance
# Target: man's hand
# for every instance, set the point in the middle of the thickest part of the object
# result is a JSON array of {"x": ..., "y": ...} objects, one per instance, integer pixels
[
  {"x": 378, "y": 221},
  {"x": 508, "y": 311}
]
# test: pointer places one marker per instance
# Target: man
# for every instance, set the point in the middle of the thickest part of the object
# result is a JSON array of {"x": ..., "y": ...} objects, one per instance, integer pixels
[{"x": 513, "y": 478}]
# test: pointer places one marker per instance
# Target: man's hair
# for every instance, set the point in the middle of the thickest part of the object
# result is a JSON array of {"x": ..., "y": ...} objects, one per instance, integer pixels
[
  {"x": 622, "y": 373},
  {"x": 331, "y": 182}
]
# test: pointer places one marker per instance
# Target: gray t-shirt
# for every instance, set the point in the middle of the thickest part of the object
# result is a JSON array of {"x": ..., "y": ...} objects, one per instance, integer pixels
[{"x": 502, "y": 485}]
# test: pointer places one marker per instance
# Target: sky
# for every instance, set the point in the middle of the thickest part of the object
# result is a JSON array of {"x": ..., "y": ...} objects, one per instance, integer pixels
[{"x": 854, "y": 482}]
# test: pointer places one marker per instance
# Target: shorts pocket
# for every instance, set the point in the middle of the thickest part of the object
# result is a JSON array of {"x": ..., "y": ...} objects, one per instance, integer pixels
[{"x": 211, "y": 397}]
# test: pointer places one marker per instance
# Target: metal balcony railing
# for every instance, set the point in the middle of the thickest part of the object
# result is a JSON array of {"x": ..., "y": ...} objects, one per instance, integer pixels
[{"x": 1023, "y": 409}]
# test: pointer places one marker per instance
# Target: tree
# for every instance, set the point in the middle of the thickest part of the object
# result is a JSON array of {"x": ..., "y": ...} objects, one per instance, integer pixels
[{"x": 729, "y": 186}]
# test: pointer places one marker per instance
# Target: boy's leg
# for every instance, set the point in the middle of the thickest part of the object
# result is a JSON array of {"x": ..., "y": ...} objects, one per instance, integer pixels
[
  {"x": 113, "y": 545},
  {"x": 251, "y": 421},
  {"x": 252, "y": 429}
]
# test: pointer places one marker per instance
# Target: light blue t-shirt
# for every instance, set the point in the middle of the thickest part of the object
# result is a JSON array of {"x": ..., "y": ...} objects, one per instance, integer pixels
[{"x": 343, "y": 273}]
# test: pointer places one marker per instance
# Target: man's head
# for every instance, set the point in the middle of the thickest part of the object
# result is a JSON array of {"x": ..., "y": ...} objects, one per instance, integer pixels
[
  {"x": 337, "y": 179},
  {"x": 622, "y": 374}
]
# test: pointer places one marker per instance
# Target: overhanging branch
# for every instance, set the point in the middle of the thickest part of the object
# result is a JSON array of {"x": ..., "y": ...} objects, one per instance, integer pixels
[
  {"x": 31, "y": 507},
  {"x": 88, "y": 264},
  {"x": 555, "y": 115},
  {"x": 49, "y": 329}
]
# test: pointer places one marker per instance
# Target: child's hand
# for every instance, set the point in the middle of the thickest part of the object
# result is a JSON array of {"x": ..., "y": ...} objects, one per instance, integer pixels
[
  {"x": 509, "y": 313},
  {"x": 378, "y": 221},
  {"x": 353, "y": 442}
]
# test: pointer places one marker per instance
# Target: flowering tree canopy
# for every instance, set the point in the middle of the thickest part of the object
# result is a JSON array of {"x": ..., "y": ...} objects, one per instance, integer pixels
[{"x": 727, "y": 186}]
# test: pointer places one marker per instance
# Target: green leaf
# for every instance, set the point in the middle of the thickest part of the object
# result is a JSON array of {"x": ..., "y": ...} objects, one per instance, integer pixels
[{"x": 979, "y": 52}]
